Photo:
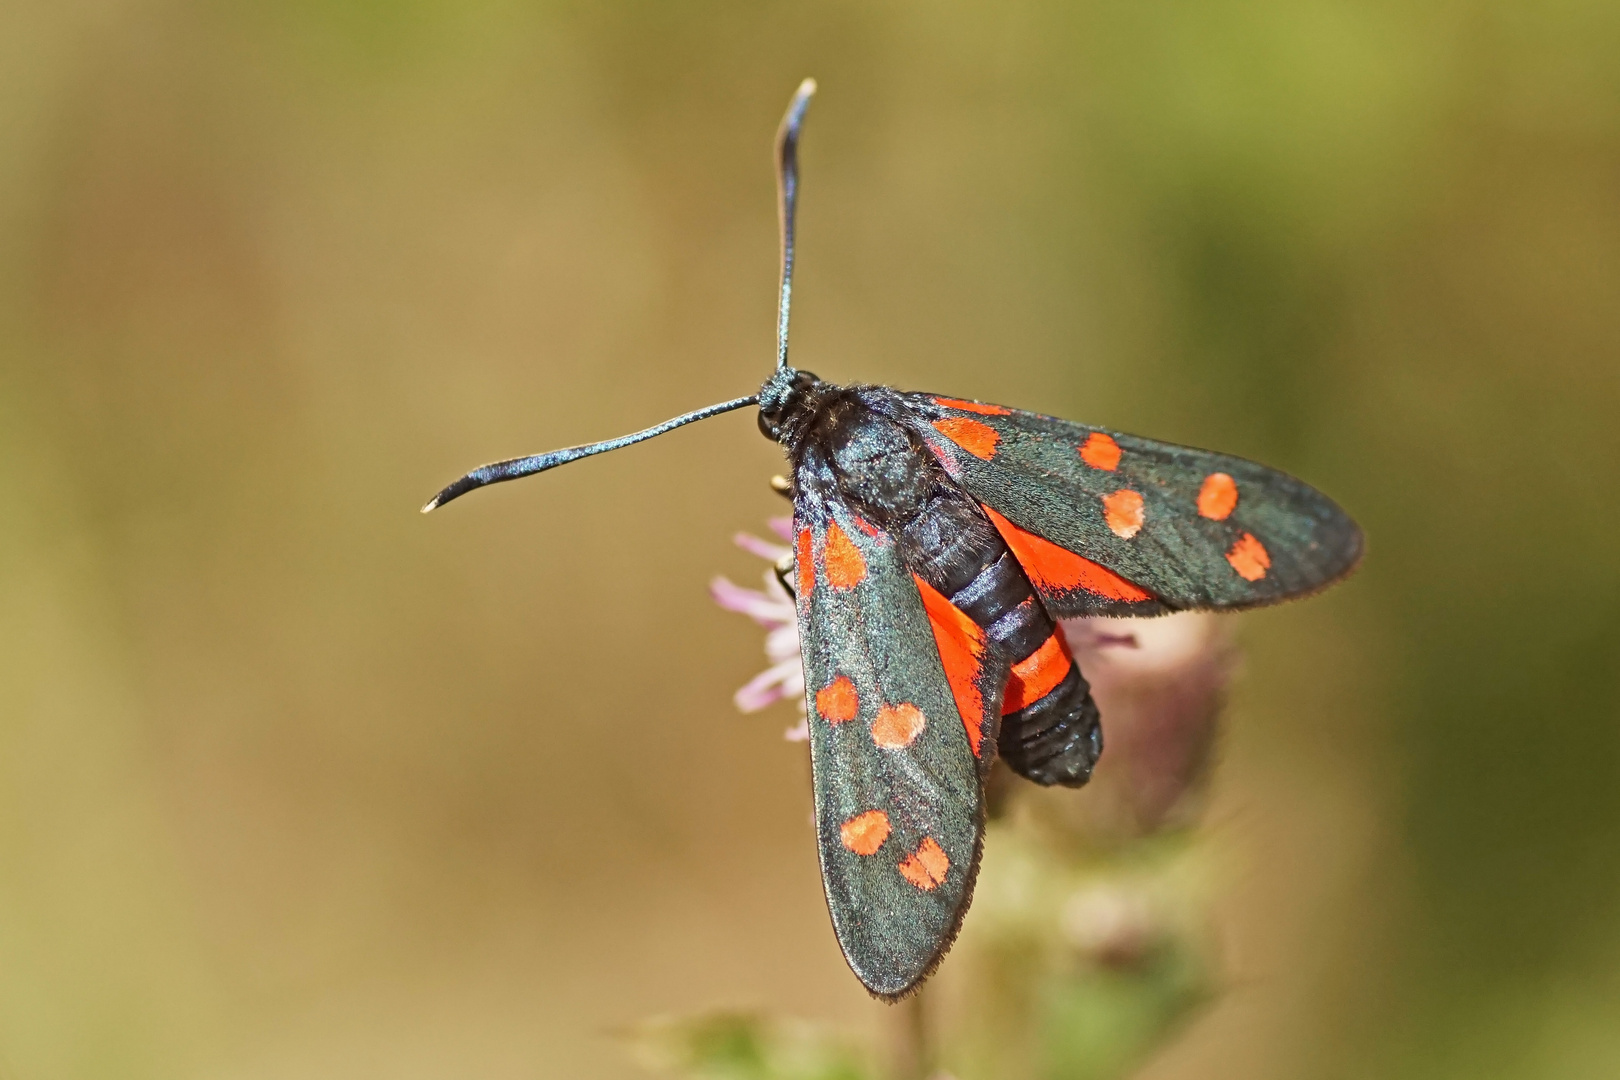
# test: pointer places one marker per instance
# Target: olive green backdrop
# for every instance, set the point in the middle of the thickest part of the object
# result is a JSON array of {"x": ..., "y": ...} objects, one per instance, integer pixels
[{"x": 297, "y": 783}]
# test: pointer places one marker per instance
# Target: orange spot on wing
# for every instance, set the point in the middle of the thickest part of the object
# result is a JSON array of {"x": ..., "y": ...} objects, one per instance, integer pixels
[
  {"x": 1033, "y": 677},
  {"x": 804, "y": 564},
  {"x": 961, "y": 648},
  {"x": 1249, "y": 557},
  {"x": 1123, "y": 511},
  {"x": 897, "y": 726},
  {"x": 1056, "y": 570},
  {"x": 977, "y": 438},
  {"x": 1100, "y": 452},
  {"x": 864, "y": 833},
  {"x": 838, "y": 701},
  {"x": 972, "y": 406},
  {"x": 846, "y": 566},
  {"x": 1218, "y": 497},
  {"x": 927, "y": 866},
  {"x": 944, "y": 456}
]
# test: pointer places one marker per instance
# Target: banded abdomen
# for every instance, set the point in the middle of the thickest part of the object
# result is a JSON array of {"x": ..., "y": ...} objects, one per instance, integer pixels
[{"x": 1050, "y": 731}]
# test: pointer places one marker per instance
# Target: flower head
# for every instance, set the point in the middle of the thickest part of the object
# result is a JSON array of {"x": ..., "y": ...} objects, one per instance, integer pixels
[
  {"x": 1159, "y": 684},
  {"x": 773, "y": 609}
]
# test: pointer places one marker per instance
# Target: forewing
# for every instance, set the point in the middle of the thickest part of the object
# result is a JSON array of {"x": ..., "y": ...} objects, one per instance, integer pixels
[
  {"x": 897, "y": 787},
  {"x": 1169, "y": 526}
]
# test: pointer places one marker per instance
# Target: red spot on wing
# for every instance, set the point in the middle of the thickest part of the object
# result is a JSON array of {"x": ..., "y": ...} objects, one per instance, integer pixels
[
  {"x": 897, "y": 726},
  {"x": 1100, "y": 452},
  {"x": 961, "y": 649},
  {"x": 974, "y": 436},
  {"x": 804, "y": 564},
  {"x": 1123, "y": 512},
  {"x": 1218, "y": 497},
  {"x": 927, "y": 866},
  {"x": 945, "y": 456},
  {"x": 837, "y": 701},
  {"x": 1033, "y": 677},
  {"x": 1056, "y": 570},
  {"x": 972, "y": 406},
  {"x": 846, "y": 566},
  {"x": 1249, "y": 557},
  {"x": 864, "y": 833},
  {"x": 867, "y": 527}
]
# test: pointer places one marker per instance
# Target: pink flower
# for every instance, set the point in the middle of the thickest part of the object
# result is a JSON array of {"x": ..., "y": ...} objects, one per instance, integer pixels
[
  {"x": 773, "y": 609},
  {"x": 1159, "y": 684}
]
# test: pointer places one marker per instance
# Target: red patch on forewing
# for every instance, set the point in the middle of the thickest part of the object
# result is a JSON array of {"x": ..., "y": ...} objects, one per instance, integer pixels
[
  {"x": 977, "y": 438},
  {"x": 1100, "y": 452},
  {"x": 846, "y": 566},
  {"x": 945, "y": 455},
  {"x": 804, "y": 564},
  {"x": 1218, "y": 497},
  {"x": 1033, "y": 677},
  {"x": 1123, "y": 512},
  {"x": 864, "y": 833},
  {"x": 1249, "y": 557},
  {"x": 867, "y": 527},
  {"x": 897, "y": 726},
  {"x": 927, "y": 866},
  {"x": 1056, "y": 570},
  {"x": 837, "y": 701},
  {"x": 972, "y": 406},
  {"x": 961, "y": 648}
]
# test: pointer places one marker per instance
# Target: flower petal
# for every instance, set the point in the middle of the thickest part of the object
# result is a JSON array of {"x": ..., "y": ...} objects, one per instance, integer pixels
[
  {"x": 769, "y": 686},
  {"x": 763, "y": 548},
  {"x": 763, "y": 609},
  {"x": 783, "y": 643}
]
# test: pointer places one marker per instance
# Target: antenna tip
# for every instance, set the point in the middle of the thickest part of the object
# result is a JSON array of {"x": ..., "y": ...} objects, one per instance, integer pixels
[
  {"x": 432, "y": 504},
  {"x": 807, "y": 87}
]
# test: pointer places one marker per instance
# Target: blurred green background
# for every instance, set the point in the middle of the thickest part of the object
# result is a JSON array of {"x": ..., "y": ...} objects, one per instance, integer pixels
[{"x": 297, "y": 783}]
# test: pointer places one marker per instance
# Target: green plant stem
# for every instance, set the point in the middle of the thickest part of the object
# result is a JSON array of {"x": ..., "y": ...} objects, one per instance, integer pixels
[{"x": 913, "y": 1051}]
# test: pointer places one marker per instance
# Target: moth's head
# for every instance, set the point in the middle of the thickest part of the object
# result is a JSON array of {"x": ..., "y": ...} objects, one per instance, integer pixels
[{"x": 786, "y": 402}]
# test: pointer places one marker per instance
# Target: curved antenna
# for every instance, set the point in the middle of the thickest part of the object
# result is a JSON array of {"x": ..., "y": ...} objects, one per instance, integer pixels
[
  {"x": 787, "y": 197},
  {"x": 527, "y": 466},
  {"x": 787, "y": 191}
]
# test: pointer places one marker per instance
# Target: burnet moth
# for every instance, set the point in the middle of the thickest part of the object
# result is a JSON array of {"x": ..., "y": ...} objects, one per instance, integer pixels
[{"x": 937, "y": 541}]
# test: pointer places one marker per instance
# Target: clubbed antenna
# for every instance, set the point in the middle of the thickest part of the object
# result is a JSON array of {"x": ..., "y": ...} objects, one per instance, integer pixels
[
  {"x": 528, "y": 466},
  {"x": 787, "y": 181},
  {"x": 787, "y": 198}
]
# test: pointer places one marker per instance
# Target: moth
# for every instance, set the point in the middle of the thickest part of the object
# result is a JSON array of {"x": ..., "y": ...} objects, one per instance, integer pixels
[{"x": 937, "y": 542}]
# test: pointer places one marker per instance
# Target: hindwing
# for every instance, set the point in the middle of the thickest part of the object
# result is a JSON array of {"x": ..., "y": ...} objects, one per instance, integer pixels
[
  {"x": 1111, "y": 524},
  {"x": 899, "y": 814}
]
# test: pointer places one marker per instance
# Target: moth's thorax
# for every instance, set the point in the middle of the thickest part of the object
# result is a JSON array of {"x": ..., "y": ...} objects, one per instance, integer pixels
[{"x": 882, "y": 467}]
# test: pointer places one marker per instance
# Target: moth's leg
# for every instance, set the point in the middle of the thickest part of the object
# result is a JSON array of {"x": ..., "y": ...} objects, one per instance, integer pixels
[{"x": 784, "y": 566}]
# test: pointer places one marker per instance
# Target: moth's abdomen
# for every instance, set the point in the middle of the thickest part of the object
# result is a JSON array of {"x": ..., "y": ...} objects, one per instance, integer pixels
[
  {"x": 1057, "y": 738},
  {"x": 1048, "y": 729},
  {"x": 1049, "y": 725}
]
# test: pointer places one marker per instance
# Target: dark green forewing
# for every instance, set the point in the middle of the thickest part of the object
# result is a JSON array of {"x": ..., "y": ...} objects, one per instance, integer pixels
[
  {"x": 899, "y": 814},
  {"x": 1193, "y": 528}
]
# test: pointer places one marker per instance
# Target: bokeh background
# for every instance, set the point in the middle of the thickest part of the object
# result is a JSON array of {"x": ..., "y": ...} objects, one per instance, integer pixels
[{"x": 297, "y": 783}]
